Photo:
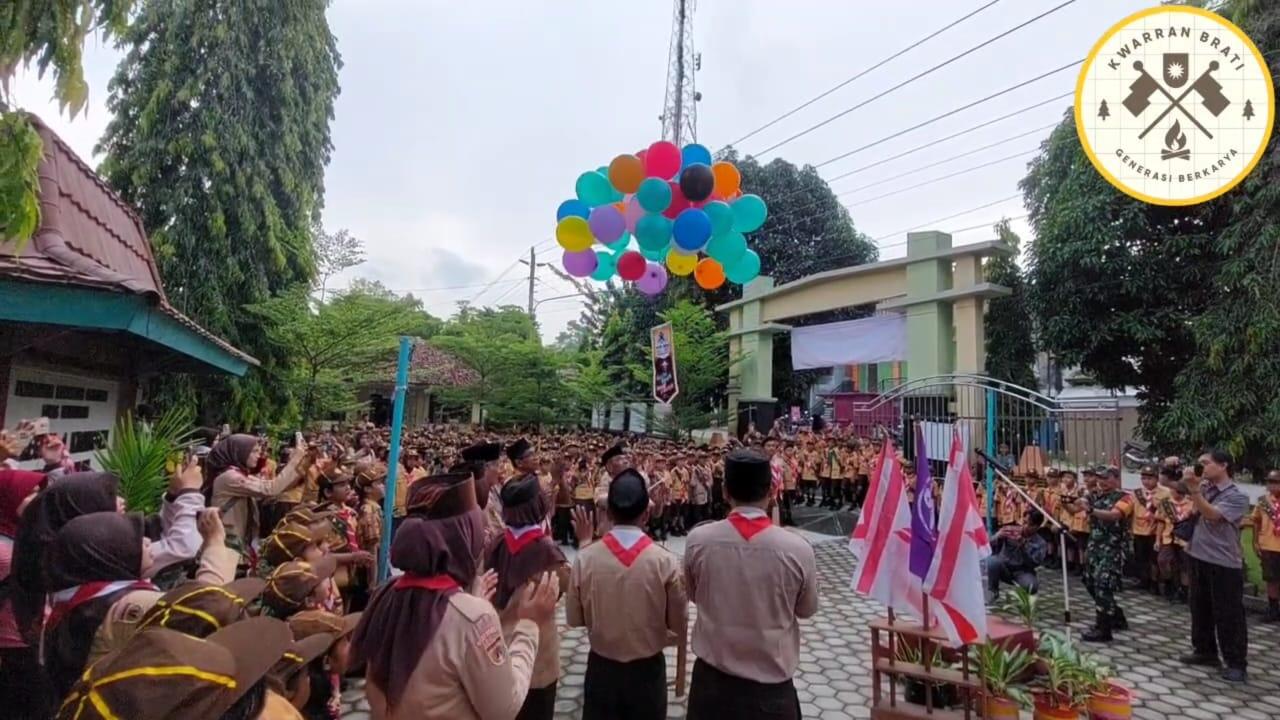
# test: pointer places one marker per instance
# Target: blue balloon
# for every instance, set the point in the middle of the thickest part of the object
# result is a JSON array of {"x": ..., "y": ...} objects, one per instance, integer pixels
[
  {"x": 654, "y": 195},
  {"x": 572, "y": 208},
  {"x": 694, "y": 153},
  {"x": 746, "y": 269},
  {"x": 653, "y": 232},
  {"x": 691, "y": 230}
]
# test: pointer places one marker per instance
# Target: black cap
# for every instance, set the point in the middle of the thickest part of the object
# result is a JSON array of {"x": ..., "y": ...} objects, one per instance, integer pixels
[
  {"x": 520, "y": 491},
  {"x": 612, "y": 453},
  {"x": 517, "y": 449},
  {"x": 482, "y": 452},
  {"x": 1148, "y": 470},
  {"x": 628, "y": 495},
  {"x": 747, "y": 475}
]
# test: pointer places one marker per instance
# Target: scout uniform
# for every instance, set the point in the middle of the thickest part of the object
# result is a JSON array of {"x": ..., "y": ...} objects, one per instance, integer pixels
[
  {"x": 1145, "y": 510},
  {"x": 1109, "y": 548},
  {"x": 752, "y": 582},
  {"x": 1169, "y": 512},
  {"x": 629, "y": 594},
  {"x": 809, "y": 475},
  {"x": 830, "y": 475},
  {"x": 1266, "y": 538}
]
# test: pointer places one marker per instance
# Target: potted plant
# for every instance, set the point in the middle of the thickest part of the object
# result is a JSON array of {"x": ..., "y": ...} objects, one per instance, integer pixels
[
  {"x": 917, "y": 691},
  {"x": 1065, "y": 689},
  {"x": 1000, "y": 669},
  {"x": 1108, "y": 699},
  {"x": 1022, "y": 604}
]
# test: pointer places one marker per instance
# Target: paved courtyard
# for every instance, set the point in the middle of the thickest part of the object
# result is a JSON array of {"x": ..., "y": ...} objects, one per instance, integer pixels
[{"x": 834, "y": 681}]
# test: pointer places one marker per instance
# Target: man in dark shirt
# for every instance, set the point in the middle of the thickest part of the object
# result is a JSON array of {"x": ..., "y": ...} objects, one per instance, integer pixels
[{"x": 1016, "y": 552}]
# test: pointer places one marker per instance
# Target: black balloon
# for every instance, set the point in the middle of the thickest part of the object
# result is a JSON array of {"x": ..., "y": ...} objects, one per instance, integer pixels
[{"x": 697, "y": 182}]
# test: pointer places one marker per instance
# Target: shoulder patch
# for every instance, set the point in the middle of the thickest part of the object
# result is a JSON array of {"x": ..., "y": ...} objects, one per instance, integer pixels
[
  {"x": 488, "y": 639},
  {"x": 471, "y": 607}
]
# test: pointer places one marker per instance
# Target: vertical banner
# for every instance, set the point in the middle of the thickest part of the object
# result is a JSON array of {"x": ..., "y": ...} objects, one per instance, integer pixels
[{"x": 662, "y": 342}]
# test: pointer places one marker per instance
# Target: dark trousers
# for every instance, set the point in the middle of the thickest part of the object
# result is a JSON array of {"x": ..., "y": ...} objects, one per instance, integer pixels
[
  {"x": 999, "y": 571},
  {"x": 788, "y": 497},
  {"x": 1144, "y": 556},
  {"x": 716, "y": 695},
  {"x": 860, "y": 486},
  {"x": 562, "y": 525},
  {"x": 824, "y": 485},
  {"x": 1217, "y": 612},
  {"x": 25, "y": 692},
  {"x": 539, "y": 704},
  {"x": 635, "y": 690}
]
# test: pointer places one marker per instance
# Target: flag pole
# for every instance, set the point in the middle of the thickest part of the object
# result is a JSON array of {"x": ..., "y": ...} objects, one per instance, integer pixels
[{"x": 393, "y": 458}]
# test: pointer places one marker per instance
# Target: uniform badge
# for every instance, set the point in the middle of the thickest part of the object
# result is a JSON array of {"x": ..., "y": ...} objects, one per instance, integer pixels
[{"x": 489, "y": 640}]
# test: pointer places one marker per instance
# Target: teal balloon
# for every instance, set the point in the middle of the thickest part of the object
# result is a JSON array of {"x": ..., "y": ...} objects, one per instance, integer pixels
[
  {"x": 654, "y": 254},
  {"x": 621, "y": 243},
  {"x": 653, "y": 232},
  {"x": 606, "y": 266},
  {"x": 593, "y": 188},
  {"x": 721, "y": 216},
  {"x": 749, "y": 213},
  {"x": 654, "y": 195},
  {"x": 746, "y": 269},
  {"x": 728, "y": 248}
]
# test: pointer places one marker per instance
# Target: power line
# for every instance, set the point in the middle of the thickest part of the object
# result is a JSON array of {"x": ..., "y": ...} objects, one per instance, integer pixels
[
  {"x": 876, "y": 66},
  {"x": 949, "y": 113},
  {"x": 944, "y": 177},
  {"x": 935, "y": 221},
  {"x": 917, "y": 76},
  {"x": 493, "y": 282},
  {"x": 447, "y": 287}
]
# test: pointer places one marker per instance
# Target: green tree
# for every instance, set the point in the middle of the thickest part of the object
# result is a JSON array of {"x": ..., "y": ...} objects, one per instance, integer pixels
[
  {"x": 220, "y": 137},
  {"x": 49, "y": 35},
  {"x": 335, "y": 252},
  {"x": 702, "y": 364},
  {"x": 1011, "y": 351}
]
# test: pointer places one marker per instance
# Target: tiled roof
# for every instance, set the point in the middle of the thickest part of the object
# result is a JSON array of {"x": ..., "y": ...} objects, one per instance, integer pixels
[{"x": 433, "y": 367}]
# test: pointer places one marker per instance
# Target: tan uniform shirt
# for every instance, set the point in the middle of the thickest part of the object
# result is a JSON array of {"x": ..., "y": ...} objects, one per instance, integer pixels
[
  {"x": 750, "y": 596},
  {"x": 237, "y": 494},
  {"x": 217, "y": 567},
  {"x": 628, "y": 611},
  {"x": 546, "y": 666},
  {"x": 468, "y": 671}
]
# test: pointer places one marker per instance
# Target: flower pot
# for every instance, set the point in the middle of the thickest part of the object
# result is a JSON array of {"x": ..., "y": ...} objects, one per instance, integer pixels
[
  {"x": 999, "y": 708},
  {"x": 1048, "y": 709},
  {"x": 1114, "y": 703}
]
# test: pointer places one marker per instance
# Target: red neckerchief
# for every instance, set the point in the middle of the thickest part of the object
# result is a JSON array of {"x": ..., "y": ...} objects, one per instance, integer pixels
[
  {"x": 92, "y": 591},
  {"x": 425, "y": 582},
  {"x": 516, "y": 544},
  {"x": 626, "y": 556},
  {"x": 749, "y": 527}
]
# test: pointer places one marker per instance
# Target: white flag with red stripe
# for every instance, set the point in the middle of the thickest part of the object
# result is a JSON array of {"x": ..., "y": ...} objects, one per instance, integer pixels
[
  {"x": 881, "y": 541},
  {"x": 955, "y": 576}
]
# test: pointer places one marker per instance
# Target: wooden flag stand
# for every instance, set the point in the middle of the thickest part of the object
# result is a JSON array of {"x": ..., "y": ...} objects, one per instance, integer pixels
[{"x": 887, "y": 635}]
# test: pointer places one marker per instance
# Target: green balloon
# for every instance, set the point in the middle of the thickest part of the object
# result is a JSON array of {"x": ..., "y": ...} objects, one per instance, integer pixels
[
  {"x": 606, "y": 265},
  {"x": 653, "y": 232},
  {"x": 621, "y": 243},
  {"x": 727, "y": 248},
  {"x": 654, "y": 195},
  {"x": 655, "y": 255},
  {"x": 721, "y": 217},
  {"x": 746, "y": 269},
  {"x": 749, "y": 213},
  {"x": 593, "y": 188}
]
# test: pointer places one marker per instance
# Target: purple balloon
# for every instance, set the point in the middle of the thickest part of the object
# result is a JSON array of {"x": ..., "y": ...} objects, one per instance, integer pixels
[
  {"x": 633, "y": 213},
  {"x": 606, "y": 223},
  {"x": 580, "y": 264},
  {"x": 654, "y": 279}
]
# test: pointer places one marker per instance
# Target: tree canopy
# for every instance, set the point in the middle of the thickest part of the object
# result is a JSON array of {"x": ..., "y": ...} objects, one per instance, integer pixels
[{"x": 1010, "y": 346}]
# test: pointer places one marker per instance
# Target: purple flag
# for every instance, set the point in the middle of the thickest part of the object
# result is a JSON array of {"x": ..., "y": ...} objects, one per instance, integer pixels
[{"x": 924, "y": 534}]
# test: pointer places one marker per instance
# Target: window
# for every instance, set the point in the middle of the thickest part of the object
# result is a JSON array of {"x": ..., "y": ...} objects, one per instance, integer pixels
[
  {"x": 69, "y": 392},
  {"x": 95, "y": 395},
  {"x": 87, "y": 441},
  {"x": 75, "y": 412},
  {"x": 26, "y": 388},
  {"x": 49, "y": 411}
]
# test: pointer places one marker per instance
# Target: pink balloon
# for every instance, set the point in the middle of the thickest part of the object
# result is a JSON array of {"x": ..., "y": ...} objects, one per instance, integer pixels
[
  {"x": 632, "y": 213},
  {"x": 580, "y": 264},
  {"x": 654, "y": 279},
  {"x": 662, "y": 160}
]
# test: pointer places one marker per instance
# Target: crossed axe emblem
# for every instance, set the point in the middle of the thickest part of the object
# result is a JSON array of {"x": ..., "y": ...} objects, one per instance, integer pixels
[{"x": 1208, "y": 88}]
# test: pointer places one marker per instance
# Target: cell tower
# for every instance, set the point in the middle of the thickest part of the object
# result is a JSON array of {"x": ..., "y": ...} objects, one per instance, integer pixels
[{"x": 680, "y": 108}]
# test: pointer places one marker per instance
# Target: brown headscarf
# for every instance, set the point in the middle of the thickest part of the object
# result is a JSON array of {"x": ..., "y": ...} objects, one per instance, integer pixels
[
  {"x": 230, "y": 452},
  {"x": 519, "y": 560},
  {"x": 400, "y": 622}
]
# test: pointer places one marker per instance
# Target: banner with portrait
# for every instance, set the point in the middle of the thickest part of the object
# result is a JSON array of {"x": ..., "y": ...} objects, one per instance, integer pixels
[{"x": 663, "y": 347}]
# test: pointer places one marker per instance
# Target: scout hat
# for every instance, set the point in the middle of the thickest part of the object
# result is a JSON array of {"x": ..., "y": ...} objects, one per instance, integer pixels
[
  {"x": 482, "y": 452},
  {"x": 200, "y": 609},
  {"x": 287, "y": 543},
  {"x": 299, "y": 655},
  {"x": 306, "y": 623},
  {"x": 442, "y": 496},
  {"x": 162, "y": 674},
  {"x": 303, "y": 515},
  {"x": 517, "y": 449},
  {"x": 292, "y": 583},
  {"x": 613, "y": 452}
]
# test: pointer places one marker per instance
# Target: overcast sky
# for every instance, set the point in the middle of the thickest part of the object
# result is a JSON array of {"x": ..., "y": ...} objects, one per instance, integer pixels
[{"x": 461, "y": 126}]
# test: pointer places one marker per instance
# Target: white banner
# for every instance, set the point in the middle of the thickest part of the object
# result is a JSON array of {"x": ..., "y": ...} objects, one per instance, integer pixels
[
  {"x": 882, "y": 338},
  {"x": 937, "y": 440}
]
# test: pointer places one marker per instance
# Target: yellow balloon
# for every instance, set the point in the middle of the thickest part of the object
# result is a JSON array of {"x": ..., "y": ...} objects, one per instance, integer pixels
[
  {"x": 574, "y": 234},
  {"x": 681, "y": 263}
]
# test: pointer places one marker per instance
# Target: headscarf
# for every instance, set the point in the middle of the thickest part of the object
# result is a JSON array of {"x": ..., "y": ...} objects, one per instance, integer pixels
[
  {"x": 519, "y": 560},
  {"x": 98, "y": 547},
  {"x": 74, "y": 495},
  {"x": 15, "y": 486},
  {"x": 230, "y": 452},
  {"x": 399, "y": 623}
]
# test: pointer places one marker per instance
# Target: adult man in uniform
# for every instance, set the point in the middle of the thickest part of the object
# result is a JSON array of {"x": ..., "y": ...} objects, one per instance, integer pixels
[
  {"x": 752, "y": 582},
  {"x": 1109, "y": 509},
  {"x": 629, "y": 594},
  {"x": 614, "y": 460}
]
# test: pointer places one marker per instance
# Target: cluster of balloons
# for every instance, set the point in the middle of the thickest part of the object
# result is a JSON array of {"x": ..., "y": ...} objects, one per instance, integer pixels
[{"x": 686, "y": 215}]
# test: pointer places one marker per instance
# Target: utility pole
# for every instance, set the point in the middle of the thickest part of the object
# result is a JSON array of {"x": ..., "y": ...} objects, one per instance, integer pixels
[{"x": 533, "y": 269}]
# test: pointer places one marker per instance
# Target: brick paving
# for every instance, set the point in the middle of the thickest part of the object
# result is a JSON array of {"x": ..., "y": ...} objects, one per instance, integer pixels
[{"x": 834, "y": 680}]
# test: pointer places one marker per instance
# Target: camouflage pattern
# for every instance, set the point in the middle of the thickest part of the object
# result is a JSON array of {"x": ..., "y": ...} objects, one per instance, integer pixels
[{"x": 1109, "y": 550}]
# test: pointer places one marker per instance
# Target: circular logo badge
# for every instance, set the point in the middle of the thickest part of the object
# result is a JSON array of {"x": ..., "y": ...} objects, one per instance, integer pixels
[{"x": 1174, "y": 105}]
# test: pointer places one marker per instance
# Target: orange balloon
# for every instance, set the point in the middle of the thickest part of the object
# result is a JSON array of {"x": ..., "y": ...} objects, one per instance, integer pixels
[
  {"x": 728, "y": 180},
  {"x": 626, "y": 172},
  {"x": 709, "y": 274}
]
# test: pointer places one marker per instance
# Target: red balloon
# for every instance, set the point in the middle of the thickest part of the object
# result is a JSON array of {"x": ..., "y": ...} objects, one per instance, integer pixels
[
  {"x": 631, "y": 266},
  {"x": 662, "y": 160},
  {"x": 678, "y": 201}
]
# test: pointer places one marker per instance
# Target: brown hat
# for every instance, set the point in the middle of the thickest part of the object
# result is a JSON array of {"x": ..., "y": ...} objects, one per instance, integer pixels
[
  {"x": 293, "y": 582},
  {"x": 287, "y": 543},
  {"x": 313, "y": 622},
  {"x": 369, "y": 472},
  {"x": 299, "y": 655},
  {"x": 437, "y": 497},
  {"x": 200, "y": 609},
  {"x": 164, "y": 674},
  {"x": 303, "y": 515}
]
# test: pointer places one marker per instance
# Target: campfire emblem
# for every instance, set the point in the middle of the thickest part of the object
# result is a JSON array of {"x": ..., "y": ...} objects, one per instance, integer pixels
[{"x": 1175, "y": 143}]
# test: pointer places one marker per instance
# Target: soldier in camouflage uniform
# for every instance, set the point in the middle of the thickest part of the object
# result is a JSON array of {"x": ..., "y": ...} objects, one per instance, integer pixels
[{"x": 1110, "y": 510}]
